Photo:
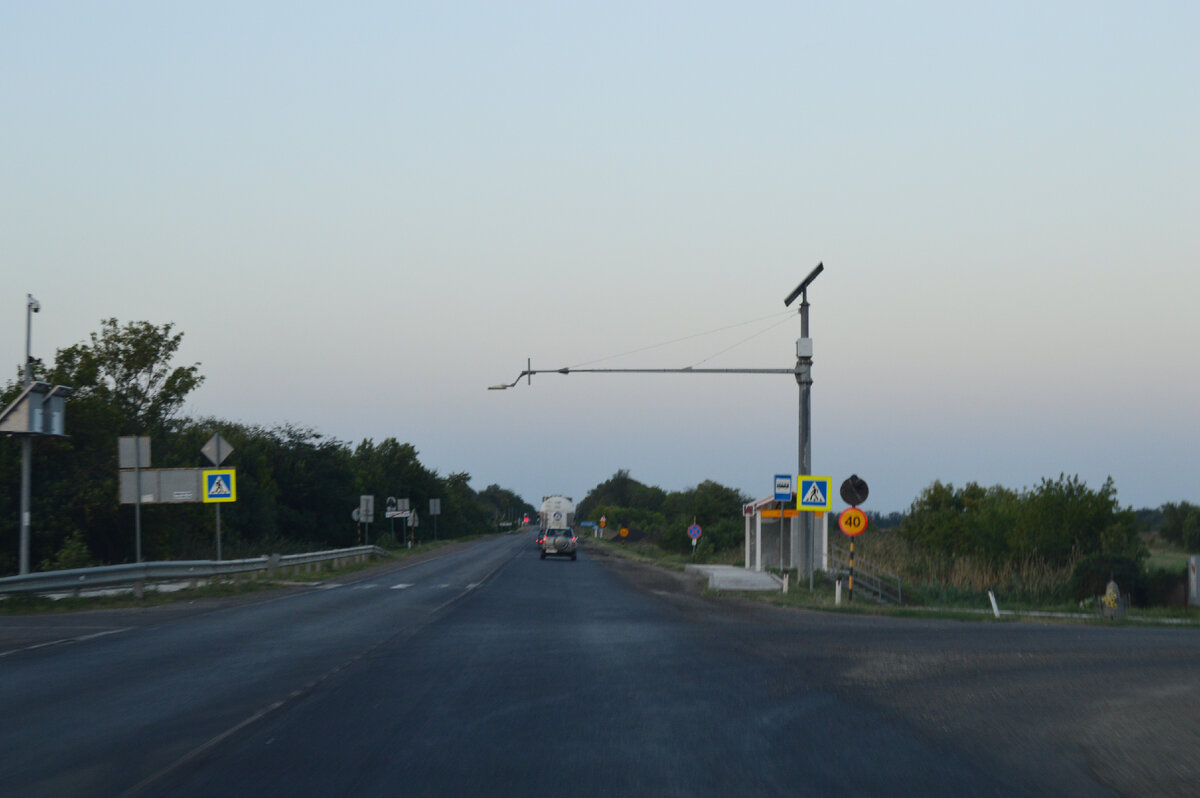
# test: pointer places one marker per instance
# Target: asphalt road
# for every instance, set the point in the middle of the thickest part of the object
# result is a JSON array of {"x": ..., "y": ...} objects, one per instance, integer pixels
[{"x": 486, "y": 670}]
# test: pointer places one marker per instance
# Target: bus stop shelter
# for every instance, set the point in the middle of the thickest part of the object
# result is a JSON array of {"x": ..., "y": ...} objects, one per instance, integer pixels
[{"x": 773, "y": 537}]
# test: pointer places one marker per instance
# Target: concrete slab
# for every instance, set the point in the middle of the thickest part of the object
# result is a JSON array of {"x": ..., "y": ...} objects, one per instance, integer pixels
[{"x": 733, "y": 577}]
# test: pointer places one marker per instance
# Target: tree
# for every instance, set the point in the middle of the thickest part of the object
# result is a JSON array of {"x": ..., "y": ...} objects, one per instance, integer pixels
[{"x": 129, "y": 368}]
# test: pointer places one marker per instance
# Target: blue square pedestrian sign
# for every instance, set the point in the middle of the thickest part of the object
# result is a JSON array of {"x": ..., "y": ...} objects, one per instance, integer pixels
[
  {"x": 814, "y": 494},
  {"x": 220, "y": 485}
]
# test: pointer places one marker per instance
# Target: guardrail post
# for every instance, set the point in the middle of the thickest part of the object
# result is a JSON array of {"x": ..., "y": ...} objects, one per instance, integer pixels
[{"x": 273, "y": 565}]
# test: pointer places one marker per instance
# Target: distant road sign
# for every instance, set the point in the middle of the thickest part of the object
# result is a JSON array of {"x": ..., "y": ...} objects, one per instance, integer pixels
[
  {"x": 783, "y": 487},
  {"x": 133, "y": 452},
  {"x": 220, "y": 485},
  {"x": 217, "y": 449},
  {"x": 814, "y": 494},
  {"x": 852, "y": 521},
  {"x": 603, "y": 521},
  {"x": 624, "y": 531},
  {"x": 693, "y": 531},
  {"x": 854, "y": 490}
]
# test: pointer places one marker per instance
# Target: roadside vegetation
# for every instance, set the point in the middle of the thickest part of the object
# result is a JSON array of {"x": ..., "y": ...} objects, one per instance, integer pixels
[
  {"x": 1052, "y": 547},
  {"x": 296, "y": 486}
]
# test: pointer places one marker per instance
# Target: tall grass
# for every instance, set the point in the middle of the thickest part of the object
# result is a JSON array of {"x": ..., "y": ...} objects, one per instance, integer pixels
[{"x": 935, "y": 578}]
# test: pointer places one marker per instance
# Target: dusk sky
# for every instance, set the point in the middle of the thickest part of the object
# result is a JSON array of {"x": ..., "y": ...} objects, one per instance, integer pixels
[{"x": 361, "y": 215}]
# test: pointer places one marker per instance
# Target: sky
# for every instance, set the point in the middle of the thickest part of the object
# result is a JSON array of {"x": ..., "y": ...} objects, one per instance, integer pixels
[{"x": 361, "y": 215}]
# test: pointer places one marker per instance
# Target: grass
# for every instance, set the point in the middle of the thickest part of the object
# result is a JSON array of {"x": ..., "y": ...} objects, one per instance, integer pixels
[
  {"x": 1165, "y": 557},
  {"x": 951, "y": 590}
]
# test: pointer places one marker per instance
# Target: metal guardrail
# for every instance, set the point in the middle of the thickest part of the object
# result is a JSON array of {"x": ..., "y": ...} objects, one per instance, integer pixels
[
  {"x": 885, "y": 585},
  {"x": 169, "y": 571}
]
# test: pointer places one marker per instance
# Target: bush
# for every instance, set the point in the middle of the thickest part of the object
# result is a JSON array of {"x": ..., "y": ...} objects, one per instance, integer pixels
[
  {"x": 1092, "y": 574},
  {"x": 1163, "y": 588},
  {"x": 72, "y": 554}
]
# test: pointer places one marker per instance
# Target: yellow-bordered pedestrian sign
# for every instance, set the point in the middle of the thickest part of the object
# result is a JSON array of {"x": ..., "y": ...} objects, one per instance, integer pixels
[
  {"x": 220, "y": 485},
  {"x": 814, "y": 494}
]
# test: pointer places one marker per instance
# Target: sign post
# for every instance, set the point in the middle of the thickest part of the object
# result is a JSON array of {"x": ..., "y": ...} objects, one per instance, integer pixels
[
  {"x": 694, "y": 533},
  {"x": 216, "y": 450},
  {"x": 133, "y": 451},
  {"x": 853, "y": 521},
  {"x": 366, "y": 514},
  {"x": 435, "y": 509},
  {"x": 783, "y": 495}
]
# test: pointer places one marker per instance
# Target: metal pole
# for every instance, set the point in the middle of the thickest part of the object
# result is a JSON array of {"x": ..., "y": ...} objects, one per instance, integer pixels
[
  {"x": 26, "y": 460},
  {"x": 218, "y": 506},
  {"x": 26, "y": 445},
  {"x": 137, "y": 505},
  {"x": 804, "y": 380},
  {"x": 782, "y": 506}
]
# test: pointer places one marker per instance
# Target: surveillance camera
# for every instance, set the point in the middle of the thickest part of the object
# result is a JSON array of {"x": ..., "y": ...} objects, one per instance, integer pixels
[{"x": 34, "y": 305}]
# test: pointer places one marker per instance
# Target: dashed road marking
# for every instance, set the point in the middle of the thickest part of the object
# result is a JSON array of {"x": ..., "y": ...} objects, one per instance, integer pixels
[{"x": 65, "y": 640}]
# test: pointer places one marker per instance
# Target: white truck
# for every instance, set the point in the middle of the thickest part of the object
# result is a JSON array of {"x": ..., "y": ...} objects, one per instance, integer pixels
[{"x": 558, "y": 512}]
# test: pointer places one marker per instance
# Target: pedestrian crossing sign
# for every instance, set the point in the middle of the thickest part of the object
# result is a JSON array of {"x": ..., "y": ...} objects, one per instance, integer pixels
[
  {"x": 220, "y": 485},
  {"x": 814, "y": 494}
]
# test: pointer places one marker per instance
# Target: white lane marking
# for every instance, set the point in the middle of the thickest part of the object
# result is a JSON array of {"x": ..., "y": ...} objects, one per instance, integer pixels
[
  {"x": 61, "y": 641},
  {"x": 402, "y": 586},
  {"x": 472, "y": 586},
  {"x": 443, "y": 586}
]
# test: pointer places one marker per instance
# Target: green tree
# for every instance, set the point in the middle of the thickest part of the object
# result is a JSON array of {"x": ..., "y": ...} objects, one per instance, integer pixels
[
  {"x": 129, "y": 368},
  {"x": 1181, "y": 525}
]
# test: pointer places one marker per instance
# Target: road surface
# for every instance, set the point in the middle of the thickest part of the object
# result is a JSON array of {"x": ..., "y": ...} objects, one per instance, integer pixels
[{"x": 485, "y": 670}]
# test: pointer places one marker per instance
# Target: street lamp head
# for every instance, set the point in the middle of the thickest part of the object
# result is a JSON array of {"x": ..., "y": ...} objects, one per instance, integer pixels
[
  {"x": 804, "y": 284},
  {"x": 497, "y": 387}
]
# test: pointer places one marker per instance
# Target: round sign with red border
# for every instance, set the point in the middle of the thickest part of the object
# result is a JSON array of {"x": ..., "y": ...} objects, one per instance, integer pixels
[
  {"x": 694, "y": 531},
  {"x": 852, "y": 521},
  {"x": 624, "y": 531}
]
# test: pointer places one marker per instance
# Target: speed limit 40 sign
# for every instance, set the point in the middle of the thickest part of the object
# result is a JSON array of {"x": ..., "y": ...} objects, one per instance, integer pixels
[{"x": 852, "y": 521}]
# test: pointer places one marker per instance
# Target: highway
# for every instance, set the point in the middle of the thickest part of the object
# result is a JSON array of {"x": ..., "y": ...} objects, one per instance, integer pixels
[{"x": 484, "y": 670}]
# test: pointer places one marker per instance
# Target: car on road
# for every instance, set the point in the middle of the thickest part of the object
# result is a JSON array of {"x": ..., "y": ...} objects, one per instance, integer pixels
[{"x": 560, "y": 542}]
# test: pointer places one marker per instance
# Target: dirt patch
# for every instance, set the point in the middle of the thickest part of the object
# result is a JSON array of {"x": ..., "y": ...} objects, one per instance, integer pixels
[{"x": 648, "y": 577}]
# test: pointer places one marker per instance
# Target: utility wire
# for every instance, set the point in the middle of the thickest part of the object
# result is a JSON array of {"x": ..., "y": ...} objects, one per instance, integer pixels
[
  {"x": 787, "y": 313},
  {"x": 739, "y": 343}
]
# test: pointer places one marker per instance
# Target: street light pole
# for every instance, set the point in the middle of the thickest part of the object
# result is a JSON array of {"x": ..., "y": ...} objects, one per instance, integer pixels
[
  {"x": 804, "y": 456},
  {"x": 804, "y": 352},
  {"x": 802, "y": 373},
  {"x": 31, "y": 306}
]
